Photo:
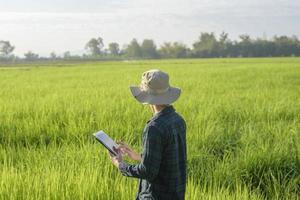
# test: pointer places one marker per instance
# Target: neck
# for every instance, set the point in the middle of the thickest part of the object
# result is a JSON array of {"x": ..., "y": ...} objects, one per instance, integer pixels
[{"x": 157, "y": 108}]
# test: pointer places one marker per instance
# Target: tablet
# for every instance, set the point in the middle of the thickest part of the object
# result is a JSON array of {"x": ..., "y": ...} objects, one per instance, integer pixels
[{"x": 106, "y": 141}]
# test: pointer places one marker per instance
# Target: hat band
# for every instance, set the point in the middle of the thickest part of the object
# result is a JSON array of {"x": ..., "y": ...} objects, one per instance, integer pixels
[{"x": 157, "y": 91}]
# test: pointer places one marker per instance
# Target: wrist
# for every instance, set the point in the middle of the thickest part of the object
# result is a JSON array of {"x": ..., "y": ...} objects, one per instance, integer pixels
[{"x": 122, "y": 165}]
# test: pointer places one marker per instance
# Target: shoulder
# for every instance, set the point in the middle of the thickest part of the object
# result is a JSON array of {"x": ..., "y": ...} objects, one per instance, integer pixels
[
  {"x": 181, "y": 119},
  {"x": 153, "y": 130},
  {"x": 153, "y": 127},
  {"x": 156, "y": 125}
]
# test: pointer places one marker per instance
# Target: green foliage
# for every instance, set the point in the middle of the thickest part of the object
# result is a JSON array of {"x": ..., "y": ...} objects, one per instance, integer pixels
[
  {"x": 146, "y": 50},
  {"x": 173, "y": 50},
  {"x": 243, "y": 128},
  {"x": 5, "y": 48},
  {"x": 31, "y": 56},
  {"x": 210, "y": 46},
  {"x": 207, "y": 46},
  {"x": 95, "y": 46},
  {"x": 114, "y": 48},
  {"x": 149, "y": 49},
  {"x": 133, "y": 50}
]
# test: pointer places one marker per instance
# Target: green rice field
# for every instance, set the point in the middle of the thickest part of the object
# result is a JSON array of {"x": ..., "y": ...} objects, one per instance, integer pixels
[{"x": 242, "y": 115}]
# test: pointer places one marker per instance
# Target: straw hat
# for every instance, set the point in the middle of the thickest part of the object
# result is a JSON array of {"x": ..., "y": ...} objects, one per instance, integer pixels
[{"x": 155, "y": 89}]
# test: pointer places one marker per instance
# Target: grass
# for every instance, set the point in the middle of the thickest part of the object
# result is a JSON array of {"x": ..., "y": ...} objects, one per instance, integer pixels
[{"x": 243, "y": 136}]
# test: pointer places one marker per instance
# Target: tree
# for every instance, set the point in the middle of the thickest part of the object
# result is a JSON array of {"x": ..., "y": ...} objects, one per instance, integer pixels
[
  {"x": 148, "y": 48},
  {"x": 245, "y": 46},
  {"x": 6, "y": 48},
  {"x": 67, "y": 55},
  {"x": 286, "y": 46},
  {"x": 31, "y": 56},
  {"x": 133, "y": 50},
  {"x": 114, "y": 48},
  {"x": 223, "y": 45},
  {"x": 53, "y": 55},
  {"x": 173, "y": 50},
  {"x": 207, "y": 46},
  {"x": 95, "y": 46}
]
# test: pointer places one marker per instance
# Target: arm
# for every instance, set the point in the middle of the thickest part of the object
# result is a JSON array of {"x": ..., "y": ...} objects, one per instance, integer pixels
[{"x": 151, "y": 157}]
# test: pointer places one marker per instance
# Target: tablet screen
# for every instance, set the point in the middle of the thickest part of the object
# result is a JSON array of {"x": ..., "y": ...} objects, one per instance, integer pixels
[{"x": 108, "y": 143}]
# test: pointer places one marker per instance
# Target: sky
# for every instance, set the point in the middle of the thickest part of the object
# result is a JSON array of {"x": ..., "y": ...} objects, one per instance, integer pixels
[{"x": 66, "y": 25}]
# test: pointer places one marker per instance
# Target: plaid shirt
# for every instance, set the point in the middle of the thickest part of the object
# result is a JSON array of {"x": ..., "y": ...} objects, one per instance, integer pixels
[{"x": 162, "y": 171}]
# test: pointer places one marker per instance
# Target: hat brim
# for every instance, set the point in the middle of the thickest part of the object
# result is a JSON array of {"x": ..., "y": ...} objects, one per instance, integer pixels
[{"x": 165, "y": 98}]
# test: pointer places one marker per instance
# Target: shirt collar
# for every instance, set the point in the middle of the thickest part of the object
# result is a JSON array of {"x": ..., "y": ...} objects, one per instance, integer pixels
[{"x": 166, "y": 110}]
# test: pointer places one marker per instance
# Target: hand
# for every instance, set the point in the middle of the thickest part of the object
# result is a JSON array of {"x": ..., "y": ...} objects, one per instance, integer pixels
[
  {"x": 116, "y": 160},
  {"x": 125, "y": 149}
]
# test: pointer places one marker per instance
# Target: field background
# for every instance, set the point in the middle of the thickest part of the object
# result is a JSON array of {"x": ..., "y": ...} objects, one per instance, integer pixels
[{"x": 243, "y": 136}]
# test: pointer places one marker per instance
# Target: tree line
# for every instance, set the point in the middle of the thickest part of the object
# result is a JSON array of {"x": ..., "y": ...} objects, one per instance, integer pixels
[{"x": 208, "y": 45}]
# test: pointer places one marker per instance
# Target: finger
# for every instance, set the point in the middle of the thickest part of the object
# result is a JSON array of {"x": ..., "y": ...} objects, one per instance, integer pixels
[
  {"x": 110, "y": 154},
  {"x": 116, "y": 149},
  {"x": 122, "y": 149},
  {"x": 125, "y": 150},
  {"x": 120, "y": 146},
  {"x": 123, "y": 144}
]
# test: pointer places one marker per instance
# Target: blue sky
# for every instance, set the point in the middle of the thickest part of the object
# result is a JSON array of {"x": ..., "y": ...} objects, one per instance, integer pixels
[{"x": 61, "y": 25}]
